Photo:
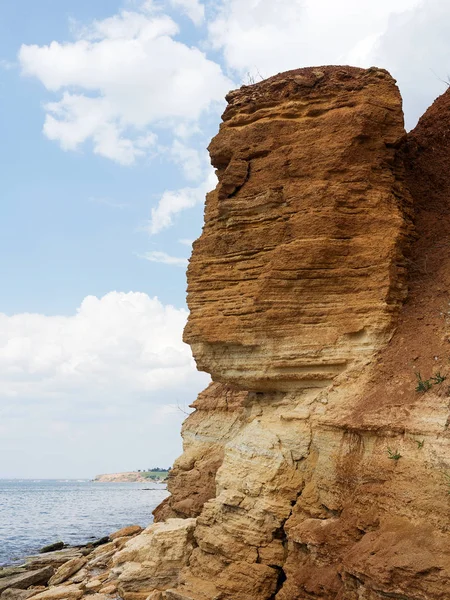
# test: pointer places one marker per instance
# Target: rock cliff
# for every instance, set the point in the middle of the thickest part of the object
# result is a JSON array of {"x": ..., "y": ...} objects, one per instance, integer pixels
[
  {"x": 332, "y": 478},
  {"x": 317, "y": 465}
]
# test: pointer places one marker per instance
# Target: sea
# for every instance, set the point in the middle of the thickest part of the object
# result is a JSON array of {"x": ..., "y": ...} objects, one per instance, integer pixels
[{"x": 34, "y": 513}]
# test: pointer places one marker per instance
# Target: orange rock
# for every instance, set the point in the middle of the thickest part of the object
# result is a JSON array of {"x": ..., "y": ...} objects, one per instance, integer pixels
[
  {"x": 300, "y": 266},
  {"x": 126, "y": 531},
  {"x": 294, "y": 284}
]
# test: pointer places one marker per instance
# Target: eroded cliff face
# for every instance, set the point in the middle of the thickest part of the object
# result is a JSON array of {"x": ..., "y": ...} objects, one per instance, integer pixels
[
  {"x": 300, "y": 265},
  {"x": 294, "y": 285},
  {"x": 312, "y": 468},
  {"x": 333, "y": 482}
]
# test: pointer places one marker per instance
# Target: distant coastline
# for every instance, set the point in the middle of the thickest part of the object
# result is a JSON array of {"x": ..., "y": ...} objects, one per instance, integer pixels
[{"x": 132, "y": 477}]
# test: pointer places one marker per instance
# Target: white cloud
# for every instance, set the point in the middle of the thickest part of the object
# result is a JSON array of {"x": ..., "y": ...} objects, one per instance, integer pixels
[
  {"x": 272, "y": 36},
  {"x": 166, "y": 259},
  {"x": 122, "y": 77},
  {"x": 76, "y": 118},
  {"x": 192, "y": 8},
  {"x": 189, "y": 160},
  {"x": 84, "y": 387},
  {"x": 124, "y": 341},
  {"x": 186, "y": 242},
  {"x": 6, "y": 65},
  {"x": 173, "y": 202},
  {"x": 416, "y": 49}
]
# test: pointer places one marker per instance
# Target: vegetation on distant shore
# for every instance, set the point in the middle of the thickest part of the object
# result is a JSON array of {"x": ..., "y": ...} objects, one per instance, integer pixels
[{"x": 155, "y": 473}]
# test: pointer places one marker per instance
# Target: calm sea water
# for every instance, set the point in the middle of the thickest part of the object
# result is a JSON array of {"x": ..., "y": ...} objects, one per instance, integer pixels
[{"x": 36, "y": 513}]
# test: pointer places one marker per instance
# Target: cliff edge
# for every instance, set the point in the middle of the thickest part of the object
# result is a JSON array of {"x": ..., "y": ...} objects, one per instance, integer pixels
[
  {"x": 333, "y": 477},
  {"x": 316, "y": 466}
]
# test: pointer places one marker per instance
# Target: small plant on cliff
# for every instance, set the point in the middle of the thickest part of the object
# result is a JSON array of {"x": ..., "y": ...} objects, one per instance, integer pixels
[
  {"x": 423, "y": 385},
  {"x": 438, "y": 378},
  {"x": 420, "y": 443},
  {"x": 393, "y": 455}
]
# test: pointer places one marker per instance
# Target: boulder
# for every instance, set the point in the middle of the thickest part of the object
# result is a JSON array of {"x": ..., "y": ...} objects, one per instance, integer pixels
[
  {"x": 54, "y": 559},
  {"x": 100, "y": 541},
  {"x": 17, "y": 594},
  {"x": 67, "y": 570},
  {"x": 154, "y": 559},
  {"x": 62, "y": 592},
  {"x": 8, "y": 571},
  {"x": 126, "y": 531},
  {"x": 52, "y": 547},
  {"x": 24, "y": 580}
]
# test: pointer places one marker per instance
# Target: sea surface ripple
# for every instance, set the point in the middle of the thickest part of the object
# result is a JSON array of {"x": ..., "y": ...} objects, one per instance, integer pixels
[{"x": 34, "y": 513}]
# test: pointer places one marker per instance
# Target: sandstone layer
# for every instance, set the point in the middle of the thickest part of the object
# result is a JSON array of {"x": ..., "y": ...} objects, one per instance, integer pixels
[{"x": 300, "y": 265}]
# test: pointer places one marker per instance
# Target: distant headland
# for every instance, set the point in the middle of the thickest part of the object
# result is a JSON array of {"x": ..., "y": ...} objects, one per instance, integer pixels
[{"x": 156, "y": 474}]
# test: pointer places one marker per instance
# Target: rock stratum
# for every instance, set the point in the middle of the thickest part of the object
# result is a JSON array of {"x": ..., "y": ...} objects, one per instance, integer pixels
[{"x": 316, "y": 466}]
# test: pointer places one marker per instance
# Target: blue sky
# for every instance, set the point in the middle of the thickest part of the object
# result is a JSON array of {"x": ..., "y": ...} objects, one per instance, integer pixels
[
  {"x": 73, "y": 223},
  {"x": 106, "y": 110}
]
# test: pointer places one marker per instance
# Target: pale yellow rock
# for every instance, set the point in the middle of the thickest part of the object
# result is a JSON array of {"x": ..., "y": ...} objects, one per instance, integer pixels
[
  {"x": 67, "y": 570},
  {"x": 80, "y": 576},
  {"x": 103, "y": 549},
  {"x": 218, "y": 411},
  {"x": 153, "y": 560},
  {"x": 93, "y": 585},
  {"x": 110, "y": 588},
  {"x": 156, "y": 596},
  {"x": 121, "y": 541},
  {"x": 126, "y": 532},
  {"x": 62, "y": 592}
]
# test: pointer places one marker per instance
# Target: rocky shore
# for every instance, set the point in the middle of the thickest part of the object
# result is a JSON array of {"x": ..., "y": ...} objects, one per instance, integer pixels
[{"x": 60, "y": 572}]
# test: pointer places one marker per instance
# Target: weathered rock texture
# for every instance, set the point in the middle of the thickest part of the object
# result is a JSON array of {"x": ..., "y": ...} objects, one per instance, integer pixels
[
  {"x": 192, "y": 481},
  {"x": 312, "y": 469},
  {"x": 300, "y": 265},
  {"x": 331, "y": 479}
]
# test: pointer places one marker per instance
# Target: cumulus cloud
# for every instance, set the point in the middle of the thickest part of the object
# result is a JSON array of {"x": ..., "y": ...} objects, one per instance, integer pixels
[
  {"x": 173, "y": 202},
  {"x": 122, "y": 342},
  {"x": 192, "y": 8},
  {"x": 415, "y": 48},
  {"x": 408, "y": 37},
  {"x": 130, "y": 75},
  {"x": 111, "y": 369},
  {"x": 164, "y": 258},
  {"x": 268, "y": 37}
]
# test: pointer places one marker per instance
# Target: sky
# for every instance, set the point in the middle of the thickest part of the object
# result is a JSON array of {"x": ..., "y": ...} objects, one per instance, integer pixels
[{"x": 106, "y": 111}]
